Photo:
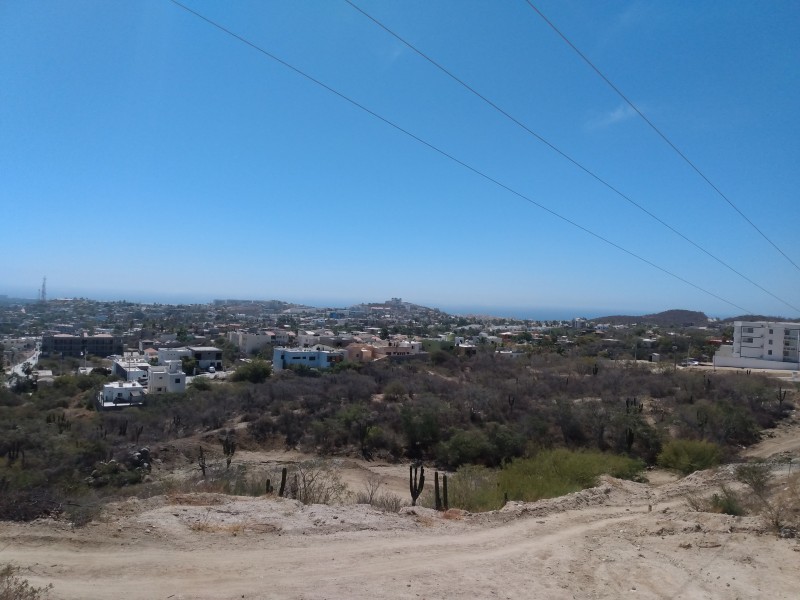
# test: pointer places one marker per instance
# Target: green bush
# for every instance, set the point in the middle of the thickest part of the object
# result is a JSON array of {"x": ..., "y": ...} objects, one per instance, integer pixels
[
  {"x": 688, "y": 456},
  {"x": 257, "y": 371},
  {"x": 549, "y": 474},
  {"x": 727, "y": 502},
  {"x": 755, "y": 475},
  {"x": 474, "y": 488},
  {"x": 464, "y": 447}
]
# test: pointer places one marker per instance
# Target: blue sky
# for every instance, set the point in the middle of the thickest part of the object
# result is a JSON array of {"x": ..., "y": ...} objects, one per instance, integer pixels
[{"x": 145, "y": 154}]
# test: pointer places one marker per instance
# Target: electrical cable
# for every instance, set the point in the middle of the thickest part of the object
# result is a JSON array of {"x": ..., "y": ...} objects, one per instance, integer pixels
[
  {"x": 565, "y": 155},
  {"x": 659, "y": 132},
  {"x": 450, "y": 156}
]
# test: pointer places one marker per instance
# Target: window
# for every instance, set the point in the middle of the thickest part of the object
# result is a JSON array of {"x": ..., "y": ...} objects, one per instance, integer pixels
[
  {"x": 747, "y": 340},
  {"x": 178, "y": 379},
  {"x": 770, "y": 342},
  {"x": 748, "y": 330},
  {"x": 769, "y": 352},
  {"x": 770, "y": 331}
]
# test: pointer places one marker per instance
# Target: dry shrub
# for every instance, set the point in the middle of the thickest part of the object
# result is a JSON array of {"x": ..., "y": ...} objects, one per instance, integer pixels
[
  {"x": 205, "y": 527},
  {"x": 14, "y": 587},
  {"x": 425, "y": 520},
  {"x": 193, "y": 499},
  {"x": 318, "y": 482},
  {"x": 781, "y": 510},
  {"x": 453, "y": 514},
  {"x": 372, "y": 495},
  {"x": 726, "y": 501}
]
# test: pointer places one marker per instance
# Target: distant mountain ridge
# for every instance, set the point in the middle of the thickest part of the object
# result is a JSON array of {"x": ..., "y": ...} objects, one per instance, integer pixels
[
  {"x": 759, "y": 318},
  {"x": 675, "y": 317}
]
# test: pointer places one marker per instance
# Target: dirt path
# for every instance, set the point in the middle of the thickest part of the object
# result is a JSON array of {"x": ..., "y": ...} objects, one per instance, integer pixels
[
  {"x": 783, "y": 440},
  {"x": 616, "y": 540}
]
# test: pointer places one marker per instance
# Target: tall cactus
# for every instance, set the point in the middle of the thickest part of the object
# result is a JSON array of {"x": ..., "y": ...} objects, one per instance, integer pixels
[
  {"x": 436, "y": 494},
  {"x": 283, "y": 482},
  {"x": 445, "y": 502},
  {"x": 781, "y": 396},
  {"x": 416, "y": 483}
]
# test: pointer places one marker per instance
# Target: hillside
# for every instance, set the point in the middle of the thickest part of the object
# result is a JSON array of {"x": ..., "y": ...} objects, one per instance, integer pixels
[
  {"x": 730, "y": 320},
  {"x": 610, "y": 541},
  {"x": 667, "y": 318}
]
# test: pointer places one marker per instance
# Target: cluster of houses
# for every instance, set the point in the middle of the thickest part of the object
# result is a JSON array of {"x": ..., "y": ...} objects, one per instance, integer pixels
[
  {"x": 154, "y": 371},
  {"x": 755, "y": 345}
]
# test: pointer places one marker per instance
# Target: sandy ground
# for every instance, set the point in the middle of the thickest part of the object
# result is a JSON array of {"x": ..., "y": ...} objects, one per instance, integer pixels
[{"x": 620, "y": 539}]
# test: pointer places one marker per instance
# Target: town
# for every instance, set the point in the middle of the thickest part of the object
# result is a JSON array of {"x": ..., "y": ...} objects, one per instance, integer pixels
[{"x": 155, "y": 348}]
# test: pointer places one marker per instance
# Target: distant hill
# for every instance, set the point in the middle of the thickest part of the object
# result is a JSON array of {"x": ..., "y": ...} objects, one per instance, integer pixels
[
  {"x": 668, "y": 318},
  {"x": 758, "y": 318}
]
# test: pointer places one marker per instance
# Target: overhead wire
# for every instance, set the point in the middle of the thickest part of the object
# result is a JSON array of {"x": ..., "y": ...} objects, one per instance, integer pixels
[
  {"x": 563, "y": 154},
  {"x": 450, "y": 156},
  {"x": 660, "y": 133}
]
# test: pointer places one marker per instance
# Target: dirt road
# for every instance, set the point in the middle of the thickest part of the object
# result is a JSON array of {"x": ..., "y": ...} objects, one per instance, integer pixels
[{"x": 621, "y": 539}]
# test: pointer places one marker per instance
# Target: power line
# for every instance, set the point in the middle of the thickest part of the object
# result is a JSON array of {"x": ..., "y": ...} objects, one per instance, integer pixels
[
  {"x": 450, "y": 156},
  {"x": 564, "y": 154},
  {"x": 660, "y": 133}
]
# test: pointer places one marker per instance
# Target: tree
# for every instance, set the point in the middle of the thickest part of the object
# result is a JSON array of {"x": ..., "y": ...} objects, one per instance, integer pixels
[
  {"x": 257, "y": 371},
  {"x": 188, "y": 364}
]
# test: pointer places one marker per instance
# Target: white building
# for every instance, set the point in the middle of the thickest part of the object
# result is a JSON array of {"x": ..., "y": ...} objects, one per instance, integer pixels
[
  {"x": 166, "y": 355},
  {"x": 168, "y": 378},
  {"x": 252, "y": 342},
  {"x": 121, "y": 393},
  {"x": 283, "y": 358},
  {"x": 206, "y": 356},
  {"x": 132, "y": 368},
  {"x": 399, "y": 348},
  {"x": 761, "y": 345}
]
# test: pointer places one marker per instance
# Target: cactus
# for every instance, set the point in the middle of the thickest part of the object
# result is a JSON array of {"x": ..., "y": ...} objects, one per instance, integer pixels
[
  {"x": 137, "y": 432},
  {"x": 633, "y": 405},
  {"x": 629, "y": 436},
  {"x": 595, "y": 369},
  {"x": 201, "y": 461},
  {"x": 269, "y": 488},
  {"x": 228, "y": 448},
  {"x": 15, "y": 450},
  {"x": 702, "y": 421},
  {"x": 437, "y": 495},
  {"x": 415, "y": 483},
  {"x": 283, "y": 482},
  {"x": 781, "y": 396},
  {"x": 445, "y": 502}
]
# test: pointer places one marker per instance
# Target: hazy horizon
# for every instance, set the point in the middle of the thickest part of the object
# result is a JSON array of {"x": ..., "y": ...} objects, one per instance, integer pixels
[{"x": 530, "y": 312}]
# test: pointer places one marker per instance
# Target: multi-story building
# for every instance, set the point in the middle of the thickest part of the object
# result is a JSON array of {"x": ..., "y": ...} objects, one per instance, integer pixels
[
  {"x": 206, "y": 356},
  {"x": 249, "y": 342},
  {"x": 78, "y": 345},
  {"x": 283, "y": 358},
  {"x": 167, "y": 378},
  {"x": 166, "y": 355},
  {"x": 118, "y": 394},
  {"x": 132, "y": 368},
  {"x": 762, "y": 345}
]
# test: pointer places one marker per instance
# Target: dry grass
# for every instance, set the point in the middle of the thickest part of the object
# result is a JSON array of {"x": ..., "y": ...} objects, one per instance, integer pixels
[
  {"x": 206, "y": 527},
  {"x": 781, "y": 510},
  {"x": 197, "y": 499},
  {"x": 453, "y": 514},
  {"x": 425, "y": 521}
]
